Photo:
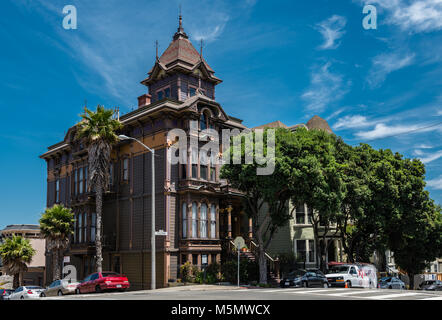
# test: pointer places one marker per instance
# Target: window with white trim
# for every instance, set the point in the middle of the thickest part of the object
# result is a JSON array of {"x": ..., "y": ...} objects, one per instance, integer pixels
[
  {"x": 194, "y": 219},
  {"x": 213, "y": 221},
  {"x": 203, "y": 221}
]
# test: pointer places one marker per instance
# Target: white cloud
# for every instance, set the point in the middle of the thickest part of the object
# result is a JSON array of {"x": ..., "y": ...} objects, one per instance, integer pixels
[
  {"x": 435, "y": 183},
  {"x": 381, "y": 130},
  {"x": 210, "y": 33},
  {"x": 424, "y": 146},
  {"x": 332, "y": 30},
  {"x": 386, "y": 63},
  {"x": 325, "y": 88},
  {"x": 432, "y": 157},
  {"x": 348, "y": 122},
  {"x": 411, "y": 15},
  {"x": 335, "y": 114}
]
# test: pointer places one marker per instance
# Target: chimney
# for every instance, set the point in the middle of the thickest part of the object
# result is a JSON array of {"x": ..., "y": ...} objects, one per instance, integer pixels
[{"x": 144, "y": 100}]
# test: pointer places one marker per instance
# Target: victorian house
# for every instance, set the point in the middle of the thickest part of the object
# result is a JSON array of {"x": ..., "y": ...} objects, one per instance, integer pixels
[{"x": 199, "y": 212}]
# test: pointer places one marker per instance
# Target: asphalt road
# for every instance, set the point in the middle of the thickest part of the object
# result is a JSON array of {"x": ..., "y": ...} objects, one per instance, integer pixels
[{"x": 216, "y": 292}]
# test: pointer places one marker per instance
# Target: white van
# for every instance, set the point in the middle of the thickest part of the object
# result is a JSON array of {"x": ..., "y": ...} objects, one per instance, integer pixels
[{"x": 353, "y": 275}]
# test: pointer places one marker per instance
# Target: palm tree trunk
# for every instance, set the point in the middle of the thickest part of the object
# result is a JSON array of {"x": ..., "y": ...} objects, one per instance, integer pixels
[
  {"x": 99, "y": 208},
  {"x": 56, "y": 265},
  {"x": 20, "y": 278},
  {"x": 16, "y": 281}
]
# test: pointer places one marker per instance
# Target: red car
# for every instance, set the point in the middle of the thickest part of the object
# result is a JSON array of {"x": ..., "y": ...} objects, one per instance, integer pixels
[{"x": 106, "y": 280}]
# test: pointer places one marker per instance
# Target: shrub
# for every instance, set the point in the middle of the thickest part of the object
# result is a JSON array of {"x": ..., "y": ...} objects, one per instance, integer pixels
[
  {"x": 249, "y": 271},
  {"x": 186, "y": 272}
]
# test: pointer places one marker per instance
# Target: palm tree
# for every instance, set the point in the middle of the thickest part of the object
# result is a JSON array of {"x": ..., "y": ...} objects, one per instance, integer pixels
[
  {"x": 56, "y": 224},
  {"x": 98, "y": 130},
  {"x": 16, "y": 252}
]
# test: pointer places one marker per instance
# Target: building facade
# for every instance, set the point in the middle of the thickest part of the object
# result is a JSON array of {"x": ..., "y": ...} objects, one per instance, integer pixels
[
  {"x": 35, "y": 275},
  {"x": 199, "y": 211}
]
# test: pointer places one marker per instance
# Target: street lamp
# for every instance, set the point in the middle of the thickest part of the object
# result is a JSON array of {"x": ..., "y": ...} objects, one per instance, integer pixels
[{"x": 152, "y": 238}]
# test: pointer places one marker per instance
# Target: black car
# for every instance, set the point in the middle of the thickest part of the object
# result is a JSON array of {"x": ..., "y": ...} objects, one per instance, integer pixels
[
  {"x": 431, "y": 285},
  {"x": 305, "y": 278},
  {"x": 4, "y": 293}
]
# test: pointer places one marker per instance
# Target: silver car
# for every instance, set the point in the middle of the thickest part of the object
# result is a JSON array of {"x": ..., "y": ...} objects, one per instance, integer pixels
[
  {"x": 59, "y": 288},
  {"x": 391, "y": 283},
  {"x": 28, "y": 292}
]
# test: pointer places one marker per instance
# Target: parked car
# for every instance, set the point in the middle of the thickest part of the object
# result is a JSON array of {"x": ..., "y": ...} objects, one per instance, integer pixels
[
  {"x": 432, "y": 285},
  {"x": 28, "y": 292},
  {"x": 391, "y": 283},
  {"x": 5, "y": 293},
  {"x": 59, "y": 288},
  {"x": 305, "y": 278},
  {"x": 98, "y": 282},
  {"x": 425, "y": 284},
  {"x": 352, "y": 275}
]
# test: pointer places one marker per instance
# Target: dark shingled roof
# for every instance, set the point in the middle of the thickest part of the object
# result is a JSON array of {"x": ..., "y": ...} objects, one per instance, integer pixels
[
  {"x": 22, "y": 227},
  {"x": 319, "y": 124},
  {"x": 274, "y": 124}
]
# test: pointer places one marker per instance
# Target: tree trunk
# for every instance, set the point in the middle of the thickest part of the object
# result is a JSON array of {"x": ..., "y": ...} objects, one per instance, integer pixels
[
  {"x": 99, "y": 207},
  {"x": 411, "y": 280},
  {"x": 16, "y": 281},
  {"x": 56, "y": 264},
  {"x": 317, "y": 246},
  {"x": 262, "y": 265},
  {"x": 20, "y": 278}
]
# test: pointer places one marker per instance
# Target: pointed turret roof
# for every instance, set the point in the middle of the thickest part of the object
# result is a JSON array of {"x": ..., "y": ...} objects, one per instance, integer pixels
[
  {"x": 319, "y": 124},
  {"x": 181, "y": 55}
]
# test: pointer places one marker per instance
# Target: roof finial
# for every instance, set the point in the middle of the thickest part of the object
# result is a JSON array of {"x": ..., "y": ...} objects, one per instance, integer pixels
[
  {"x": 181, "y": 19},
  {"x": 156, "y": 47},
  {"x": 180, "y": 33},
  {"x": 201, "y": 48}
]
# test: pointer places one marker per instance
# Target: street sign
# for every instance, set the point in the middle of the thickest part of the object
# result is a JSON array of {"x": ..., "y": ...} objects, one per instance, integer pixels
[
  {"x": 239, "y": 243},
  {"x": 161, "y": 233}
]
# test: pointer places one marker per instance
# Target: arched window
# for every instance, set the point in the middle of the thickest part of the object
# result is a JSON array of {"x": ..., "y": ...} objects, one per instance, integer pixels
[
  {"x": 194, "y": 220},
  {"x": 184, "y": 214},
  {"x": 203, "y": 221},
  {"x": 213, "y": 221},
  {"x": 203, "y": 121}
]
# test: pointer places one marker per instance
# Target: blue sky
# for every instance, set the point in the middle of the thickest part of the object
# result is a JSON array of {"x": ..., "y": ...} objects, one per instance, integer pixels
[{"x": 280, "y": 60}]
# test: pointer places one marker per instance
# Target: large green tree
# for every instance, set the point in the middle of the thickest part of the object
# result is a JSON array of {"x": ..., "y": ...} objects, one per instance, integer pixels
[
  {"x": 266, "y": 198},
  {"x": 358, "y": 221},
  {"x": 16, "y": 252},
  {"x": 56, "y": 224},
  {"x": 313, "y": 177},
  {"x": 98, "y": 129},
  {"x": 414, "y": 229}
]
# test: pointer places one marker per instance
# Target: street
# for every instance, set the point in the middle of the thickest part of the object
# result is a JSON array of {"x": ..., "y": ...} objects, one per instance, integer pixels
[{"x": 218, "y": 292}]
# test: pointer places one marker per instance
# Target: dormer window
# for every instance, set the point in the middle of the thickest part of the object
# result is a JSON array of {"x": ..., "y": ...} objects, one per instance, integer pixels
[
  {"x": 163, "y": 93},
  {"x": 192, "y": 91}
]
